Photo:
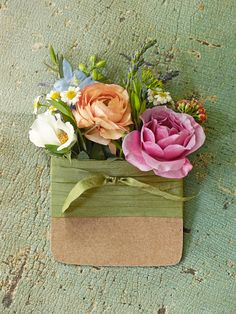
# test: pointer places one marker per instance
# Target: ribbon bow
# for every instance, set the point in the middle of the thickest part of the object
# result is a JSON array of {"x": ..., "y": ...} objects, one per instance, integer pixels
[{"x": 99, "y": 180}]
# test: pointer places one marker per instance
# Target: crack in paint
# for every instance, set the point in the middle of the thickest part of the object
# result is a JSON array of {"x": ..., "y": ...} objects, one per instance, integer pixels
[
  {"x": 206, "y": 43},
  {"x": 12, "y": 285}
]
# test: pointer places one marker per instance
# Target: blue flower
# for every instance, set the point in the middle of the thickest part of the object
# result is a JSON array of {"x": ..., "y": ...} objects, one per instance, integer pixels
[{"x": 72, "y": 78}]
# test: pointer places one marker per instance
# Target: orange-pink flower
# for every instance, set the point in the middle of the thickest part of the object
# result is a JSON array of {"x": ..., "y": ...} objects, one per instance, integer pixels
[{"x": 104, "y": 111}]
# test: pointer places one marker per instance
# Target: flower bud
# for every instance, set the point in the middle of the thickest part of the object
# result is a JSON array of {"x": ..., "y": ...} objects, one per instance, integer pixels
[
  {"x": 187, "y": 107},
  {"x": 192, "y": 107},
  {"x": 94, "y": 75},
  {"x": 92, "y": 59},
  {"x": 201, "y": 110},
  {"x": 181, "y": 103},
  {"x": 195, "y": 103},
  {"x": 202, "y": 117},
  {"x": 100, "y": 64},
  {"x": 82, "y": 67}
]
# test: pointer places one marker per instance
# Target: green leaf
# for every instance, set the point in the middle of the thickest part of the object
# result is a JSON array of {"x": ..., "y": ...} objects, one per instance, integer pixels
[
  {"x": 50, "y": 67},
  {"x": 60, "y": 65},
  {"x": 65, "y": 151},
  {"x": 137, "y": 85},
  {"x": 53, "y": 150},
  {"x": 64, "y": 109},
  {"x": 53, "y": 55},
  {"x": 143, "y": 106},
  {"x": 136, "y": 101}
]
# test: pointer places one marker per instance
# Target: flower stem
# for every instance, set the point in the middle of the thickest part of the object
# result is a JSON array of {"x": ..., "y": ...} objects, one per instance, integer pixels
[{"x": 81, "y": 140}]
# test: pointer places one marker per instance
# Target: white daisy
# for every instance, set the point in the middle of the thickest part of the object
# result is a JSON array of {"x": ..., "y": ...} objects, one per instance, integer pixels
[
  {"x": 152, "y": 93},
  {"x": 50, "y": 129},
  {"x": 71, "y": 96},
  {"x": 161, "y": 98},
  {"x": 158, "y": 97},
  {"x": 54, "y": 94}
]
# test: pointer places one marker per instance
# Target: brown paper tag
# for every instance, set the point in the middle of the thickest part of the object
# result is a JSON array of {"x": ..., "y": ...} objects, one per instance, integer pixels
[{"x": 117, "y": 241}]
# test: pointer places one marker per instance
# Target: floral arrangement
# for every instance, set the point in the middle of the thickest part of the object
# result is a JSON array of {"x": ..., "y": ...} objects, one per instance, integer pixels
[{"x": 85, "y": 115}]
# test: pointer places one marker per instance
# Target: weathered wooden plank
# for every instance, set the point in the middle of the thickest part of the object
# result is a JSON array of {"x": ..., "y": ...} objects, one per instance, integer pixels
[{"x": 199, "y": 40}]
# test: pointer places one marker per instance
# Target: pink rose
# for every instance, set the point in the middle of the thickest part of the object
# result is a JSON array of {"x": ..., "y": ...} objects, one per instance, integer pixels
[
  {"x": 163, "y": 143},
  {"x": 104, "y": 111}
]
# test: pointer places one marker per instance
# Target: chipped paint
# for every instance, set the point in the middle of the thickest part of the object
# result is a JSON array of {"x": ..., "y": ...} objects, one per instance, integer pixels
[
  {"x": 196, "y": 54},
  {"x": 201, "y": 7},
  {"x": 37, "y": 46}
]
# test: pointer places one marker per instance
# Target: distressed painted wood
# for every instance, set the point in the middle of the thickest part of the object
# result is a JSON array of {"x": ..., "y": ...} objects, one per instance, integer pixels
[{"x": 196, "y": 37}]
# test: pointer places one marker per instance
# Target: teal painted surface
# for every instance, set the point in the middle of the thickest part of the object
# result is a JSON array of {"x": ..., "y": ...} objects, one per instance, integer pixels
[{"x": 198, "y": 39}]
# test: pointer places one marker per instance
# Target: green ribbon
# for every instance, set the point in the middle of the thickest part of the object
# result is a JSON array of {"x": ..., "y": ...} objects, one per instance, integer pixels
[
  {"x": 99, "y": 180},
  {"x": 94, "y": 188}
]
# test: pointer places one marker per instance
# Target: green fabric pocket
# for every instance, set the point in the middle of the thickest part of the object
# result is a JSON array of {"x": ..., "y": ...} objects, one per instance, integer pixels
[{"x": 116, "y": 199}]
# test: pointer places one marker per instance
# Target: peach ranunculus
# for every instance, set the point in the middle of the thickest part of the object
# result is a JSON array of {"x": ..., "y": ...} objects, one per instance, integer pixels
[{"x": 104, "y": 111}]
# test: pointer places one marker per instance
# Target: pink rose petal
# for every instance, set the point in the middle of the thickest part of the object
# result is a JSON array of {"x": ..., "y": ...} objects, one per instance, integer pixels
[
  {"x": 153, "y": 149},
  {"x": 161, "y": 132},
  {"x": 168, "y": 140},
  {"x": 177, "y": 174},
  {"x": 162, "y": 165},
  {"x": 133, "y": 152},
  {"x": 147, "y": 135},
  {"x": 174, "y": 151}
]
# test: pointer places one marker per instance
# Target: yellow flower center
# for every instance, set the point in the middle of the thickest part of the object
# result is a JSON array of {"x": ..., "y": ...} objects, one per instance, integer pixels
[
  {"x": 162, "y": 94},
  {"x": 62, "y": 136},
  {"x": 55, "y": 95},
  {"x": 70, "y": 94}
]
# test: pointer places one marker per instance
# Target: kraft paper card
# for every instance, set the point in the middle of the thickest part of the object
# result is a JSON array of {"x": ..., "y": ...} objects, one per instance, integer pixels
[{"x": 122, "y": 222}]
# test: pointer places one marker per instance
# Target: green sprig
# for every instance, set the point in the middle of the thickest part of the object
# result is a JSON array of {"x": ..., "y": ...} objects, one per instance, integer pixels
[
  {"x": 134, "y": 84},
  {"x": 57, "y": 61},
  {"x": 149, "y": 79},
  {"x": 94, "y": 68}
]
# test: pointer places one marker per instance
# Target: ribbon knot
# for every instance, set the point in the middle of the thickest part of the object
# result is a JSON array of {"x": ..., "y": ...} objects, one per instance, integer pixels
[{"x": 112, "y": 180}]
